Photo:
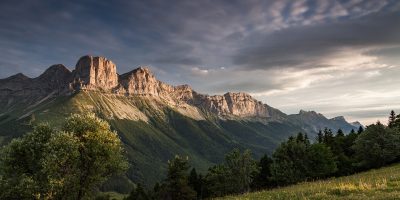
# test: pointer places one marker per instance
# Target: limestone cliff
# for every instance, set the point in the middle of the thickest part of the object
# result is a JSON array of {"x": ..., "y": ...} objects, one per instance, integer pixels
[
  {"x": 100, "y": 74},
  {"x": 95, "y": 73}
]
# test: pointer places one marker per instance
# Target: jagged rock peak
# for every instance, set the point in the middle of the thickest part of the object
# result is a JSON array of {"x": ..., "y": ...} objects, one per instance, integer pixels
[
  {"x": 141, "y": 81},
  {"x": 303, "y": 112},
  {"x": 95, "y": 72},
  {"x": 183, "y": 87},
  {"x": 237, "y": 104},
  {"x": 140, "y": 71},
  {"x": 144, "y": 69},
  {"x": 339, "y": 118}
]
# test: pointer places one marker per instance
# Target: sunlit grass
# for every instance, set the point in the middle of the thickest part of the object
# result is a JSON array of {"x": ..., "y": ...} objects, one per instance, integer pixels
[{"x": 381, "y": 183}]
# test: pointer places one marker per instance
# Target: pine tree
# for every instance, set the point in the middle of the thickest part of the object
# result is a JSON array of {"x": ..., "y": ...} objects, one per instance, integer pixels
[
  {"x": 264, "y": 177},
  {"x": 328, "y": 136},
  {"x": 177, "y": 179},
  {"x": 320, "y": 137},
  {"x": 340, "y": 133},
  {"x": 196, "y": 183},
  {"x": 360, "y": 130},
  {"x": 300, "y": 137},
  {"x": 392, "y": 119}
]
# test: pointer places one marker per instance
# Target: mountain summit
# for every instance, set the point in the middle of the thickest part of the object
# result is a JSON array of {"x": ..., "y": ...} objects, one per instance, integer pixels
[
  {"x": 100, "y": 74},
  {"x": 155, "y": 120}
]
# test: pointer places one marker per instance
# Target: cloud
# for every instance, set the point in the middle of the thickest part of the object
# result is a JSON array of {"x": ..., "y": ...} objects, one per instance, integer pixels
[
  {"x": 287, "y": 53},
  {"x": 309, "y": 46}
]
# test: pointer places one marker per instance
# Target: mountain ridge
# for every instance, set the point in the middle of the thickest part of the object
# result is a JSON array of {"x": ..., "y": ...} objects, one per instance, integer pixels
[
  {"x": 155, "y": 120},
  {"x": 99, "y": 73}
]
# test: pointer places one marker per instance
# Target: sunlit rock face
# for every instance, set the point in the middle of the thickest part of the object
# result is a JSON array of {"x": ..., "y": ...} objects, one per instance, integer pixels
[
  {"x": 237, "y": 104},
  {"x": 95, "y": 73},
  {"x": 141, "y": 81},
  {"x": 100, "y": 74}
]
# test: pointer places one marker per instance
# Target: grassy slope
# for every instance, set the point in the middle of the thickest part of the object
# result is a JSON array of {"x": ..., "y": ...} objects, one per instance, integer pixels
[{"x": 381, "y": 183}]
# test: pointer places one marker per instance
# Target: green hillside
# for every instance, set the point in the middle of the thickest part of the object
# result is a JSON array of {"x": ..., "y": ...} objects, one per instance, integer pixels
[
  {"x": 158, "y": 133},
  {"x": 381, "y": 183}
]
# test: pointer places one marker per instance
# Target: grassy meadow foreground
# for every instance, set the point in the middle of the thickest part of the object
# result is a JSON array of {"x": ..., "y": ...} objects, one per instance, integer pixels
[{"x": 381, "y": 183}]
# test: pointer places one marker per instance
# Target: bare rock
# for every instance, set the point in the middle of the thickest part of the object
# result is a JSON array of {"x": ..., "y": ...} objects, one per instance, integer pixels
[
  {"x": 142, "y": 82},
  {"x": 95, "y": 73}
]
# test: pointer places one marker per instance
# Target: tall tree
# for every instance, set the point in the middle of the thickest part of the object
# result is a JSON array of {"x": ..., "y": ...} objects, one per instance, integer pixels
[
  {"x": 241, "y": 167},
  {"x": 67, "y": 164},
  {"x": 177, "y": 186},
  {"x": 321, "y": 161},
  {"x": 360, "y": 130},
  {"x": 264, "y": 177},
  {"x": 197, "y": 183},
  {"x": 289, "y": 162},
  {"x": 328, "y": 136},
  {"x": 392, "y": 119},
  {"x": 320, "y": 137},
  {"x": 339, "y": 133},
  {"x": 100, "y": 151}
]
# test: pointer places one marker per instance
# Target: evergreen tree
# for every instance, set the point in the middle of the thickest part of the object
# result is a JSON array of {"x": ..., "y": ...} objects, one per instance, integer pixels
[
  {"x": 241, "y": 167},
  {"x": 320, "y": 137},
  {"x": 219, "y": 181},
  {"x": 392, "y": 119},
  {"x": 300, "y": 137},
  {"x": 177, "y": 180},
  {"x": 196, "y": 182},
  {"x": 321, "y": 161},
  {"x": 339, "y": 133},
  {"x": 360, "y": 130},
  {"x": 328, "y": 136},
  {"x": 289, "y": 162},
  {"x": 263, "y": 179}
]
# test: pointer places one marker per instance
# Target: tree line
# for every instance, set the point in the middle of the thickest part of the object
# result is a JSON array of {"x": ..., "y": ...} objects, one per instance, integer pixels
[
  {"x": 295, "y": 160},
  {"x": 72, "y": 162}
]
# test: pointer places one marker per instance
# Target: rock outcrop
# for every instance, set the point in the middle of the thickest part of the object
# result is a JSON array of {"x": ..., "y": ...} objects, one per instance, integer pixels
[
  {"x": 236, "y": 104},
  {"x": 95, "y": 73},
  {"x": 142, "y": 82}
]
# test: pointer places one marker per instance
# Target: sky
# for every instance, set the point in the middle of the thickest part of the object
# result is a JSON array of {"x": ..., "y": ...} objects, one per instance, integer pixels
[{"x": 334, "y": 57}]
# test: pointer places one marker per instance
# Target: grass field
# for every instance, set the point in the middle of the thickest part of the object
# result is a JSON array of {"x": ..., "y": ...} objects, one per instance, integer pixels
[{"x": 381, "y": 183}]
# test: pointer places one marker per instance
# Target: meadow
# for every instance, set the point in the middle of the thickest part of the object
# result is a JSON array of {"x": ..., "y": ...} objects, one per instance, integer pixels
[{"x": 383, "y": 183}]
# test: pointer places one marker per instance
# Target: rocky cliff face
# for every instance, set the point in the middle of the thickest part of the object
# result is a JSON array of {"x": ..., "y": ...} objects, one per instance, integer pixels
[
  {"x": 95, "y": 73},
  {"x": 236, "y": 104},
  {"x": 99, "y": 73},
  {"x": 142, "y": 82}
]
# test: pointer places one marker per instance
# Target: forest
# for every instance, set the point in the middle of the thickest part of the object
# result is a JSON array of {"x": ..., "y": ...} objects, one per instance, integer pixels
[{"x": 72, "y": 163}]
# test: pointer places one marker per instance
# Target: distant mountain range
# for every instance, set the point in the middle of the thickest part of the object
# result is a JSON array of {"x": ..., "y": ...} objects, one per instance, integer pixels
[{"x": 154, "y": 120}]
